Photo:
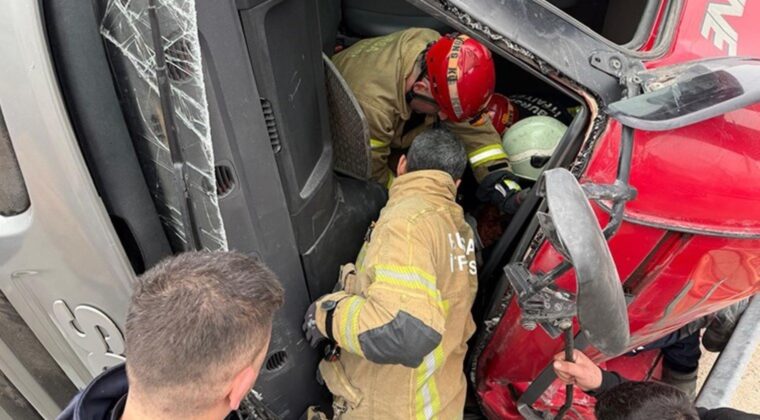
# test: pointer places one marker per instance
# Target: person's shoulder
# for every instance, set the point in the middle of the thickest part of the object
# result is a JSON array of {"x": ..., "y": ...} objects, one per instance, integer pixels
[
  {"x": 99, "y": 396},
  {"x": 421, "y": 214},
  {"x": 725, "y": 413},
  {"x": 424, "y": 34},
  {"x": 374, "y": 105},
  {"x": 70, "y": 410},
  {"x": 411, "y": 210}
]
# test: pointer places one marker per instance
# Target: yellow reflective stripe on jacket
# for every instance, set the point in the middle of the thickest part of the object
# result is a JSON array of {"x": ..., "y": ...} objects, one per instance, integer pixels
[
  {"x": 408, "y": 277},
  {"x": 427, "y": 400},
  {"x": 378, "y": 144},
  {"x": 350, "y": 322},
  {"x": 486, "y": 154}
]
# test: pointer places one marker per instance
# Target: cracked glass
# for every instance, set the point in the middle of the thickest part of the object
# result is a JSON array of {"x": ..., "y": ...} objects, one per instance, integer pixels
[{"x": 127, "y": 34}]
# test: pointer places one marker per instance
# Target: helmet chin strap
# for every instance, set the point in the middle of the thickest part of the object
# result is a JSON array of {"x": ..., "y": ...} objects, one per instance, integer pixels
[
  {"x": 413, "y": 95},
  {"x": 423, "y": 72}
]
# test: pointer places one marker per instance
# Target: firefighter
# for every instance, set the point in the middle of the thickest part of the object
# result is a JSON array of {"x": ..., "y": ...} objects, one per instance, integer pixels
[
  {"x": 198, "y": 329},
  {"x": 414, "y": 79},
  {"x": 530, "y": 144},
  {"x": 502, "y": 113},
  {"x": 402, "y": 316}
]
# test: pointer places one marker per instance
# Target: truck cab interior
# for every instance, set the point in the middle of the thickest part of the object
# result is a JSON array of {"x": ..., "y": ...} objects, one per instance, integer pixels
[{"x": 273, "y": 142}]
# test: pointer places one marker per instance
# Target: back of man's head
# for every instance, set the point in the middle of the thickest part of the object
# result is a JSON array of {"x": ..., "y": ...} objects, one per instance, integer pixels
[
  {"x": 437, "y": 149},
  {"x": 194, "y": 322},
  {"x": 644, "y": 401}
]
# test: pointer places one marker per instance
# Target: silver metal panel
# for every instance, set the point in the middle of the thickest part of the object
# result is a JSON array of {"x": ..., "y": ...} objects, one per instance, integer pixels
[
  {"x": 63, "y": 249},
  {"x": 33, "y": 392},
  {"x": 727, "y": 372}
]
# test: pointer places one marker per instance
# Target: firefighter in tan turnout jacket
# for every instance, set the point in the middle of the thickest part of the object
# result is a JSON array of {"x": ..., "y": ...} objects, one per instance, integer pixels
[
  {"x": 446, "y": 80},
  {"x": 402, "y": 318}
]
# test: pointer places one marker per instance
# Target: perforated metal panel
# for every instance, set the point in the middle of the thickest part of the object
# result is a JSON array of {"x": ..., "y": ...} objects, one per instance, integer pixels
[{"x": 349, "y": 127}]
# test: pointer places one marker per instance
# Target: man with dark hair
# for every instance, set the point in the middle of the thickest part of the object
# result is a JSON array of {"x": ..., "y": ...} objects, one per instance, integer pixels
[
  {"x": 619, "y": 399},
  {"x": 644, "y": 401},
  {"x": 197, "y": 332},
  {"x": 435, "y": 150},
  {"x": 402, "y": 316}
]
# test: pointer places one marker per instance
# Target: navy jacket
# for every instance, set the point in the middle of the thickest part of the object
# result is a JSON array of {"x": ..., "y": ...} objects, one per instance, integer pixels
[{"x": 103, "y": 398}]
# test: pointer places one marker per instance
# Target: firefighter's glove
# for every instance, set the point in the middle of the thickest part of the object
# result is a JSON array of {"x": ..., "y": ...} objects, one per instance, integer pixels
[
  {"x": 502, "y": 190},
  {"x": 313, "y": 335}
]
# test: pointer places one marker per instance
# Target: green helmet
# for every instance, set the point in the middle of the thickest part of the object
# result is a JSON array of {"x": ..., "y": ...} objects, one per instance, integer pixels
[{"x": 530, "y": 142}]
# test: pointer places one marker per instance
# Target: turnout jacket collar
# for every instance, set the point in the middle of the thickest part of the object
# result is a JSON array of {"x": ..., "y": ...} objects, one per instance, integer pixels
[{"x": 424, "y": 182}]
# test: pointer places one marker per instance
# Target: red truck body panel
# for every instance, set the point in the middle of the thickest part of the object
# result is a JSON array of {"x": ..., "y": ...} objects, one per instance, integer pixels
[{"x": 690, "y": 244}]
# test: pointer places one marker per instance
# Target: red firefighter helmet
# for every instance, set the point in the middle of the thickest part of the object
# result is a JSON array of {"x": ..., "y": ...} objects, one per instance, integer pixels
[
  {"x": 462, "y": 76},
  {"x": 503, "y": 113}
]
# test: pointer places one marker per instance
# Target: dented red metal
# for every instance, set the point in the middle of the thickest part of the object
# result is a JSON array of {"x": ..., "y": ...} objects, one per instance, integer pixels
[{"x": 690, "y": 244}]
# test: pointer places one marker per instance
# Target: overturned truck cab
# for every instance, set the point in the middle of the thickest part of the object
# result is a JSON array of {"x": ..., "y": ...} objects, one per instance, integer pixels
[{"x": 130, "y": 131}]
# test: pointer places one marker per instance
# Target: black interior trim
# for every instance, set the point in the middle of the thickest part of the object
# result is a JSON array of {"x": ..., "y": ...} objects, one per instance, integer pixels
[{"x": 95, "y": 114}]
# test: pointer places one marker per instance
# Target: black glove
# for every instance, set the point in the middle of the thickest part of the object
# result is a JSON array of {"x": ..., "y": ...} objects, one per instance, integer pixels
[
  {"x": 501, "y": 189},
  {"x": 313, "y": 335}
]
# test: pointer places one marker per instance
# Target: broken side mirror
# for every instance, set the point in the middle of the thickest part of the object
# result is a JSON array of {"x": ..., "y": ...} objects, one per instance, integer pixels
[
  {"x": 573, "y": 230},
  {"x": 599, "y": 303}
]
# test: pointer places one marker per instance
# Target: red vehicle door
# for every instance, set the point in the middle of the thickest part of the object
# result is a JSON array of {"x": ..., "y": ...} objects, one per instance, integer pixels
[{"x": 689, "y": 243}]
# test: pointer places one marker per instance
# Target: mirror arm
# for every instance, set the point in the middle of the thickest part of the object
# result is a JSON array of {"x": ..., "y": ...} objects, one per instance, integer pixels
[
  {"x": 543, "y": 381},
  {"x": 569, "y": 346},
  {"x": 624, "y": 173},
  {"x": 549, "y": 278},
  {"x": 632, "y": 83}
]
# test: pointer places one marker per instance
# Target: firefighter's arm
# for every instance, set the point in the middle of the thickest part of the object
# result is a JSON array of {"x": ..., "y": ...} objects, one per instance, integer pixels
[
  {"x": 483, "y": 146},
  {"x": 400, "y": 319},
  {"x": 490, "y": 165},
  {"x": 381, "y": 133}
]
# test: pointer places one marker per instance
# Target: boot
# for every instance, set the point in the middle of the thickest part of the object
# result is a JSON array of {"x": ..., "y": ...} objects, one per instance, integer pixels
[
  {"x": 686, "y": 382},
  {"x": 722, "y": 326}
]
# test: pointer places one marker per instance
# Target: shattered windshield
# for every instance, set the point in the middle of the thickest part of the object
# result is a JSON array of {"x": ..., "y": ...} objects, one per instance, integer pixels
[{"x": 126, "y": 29}]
